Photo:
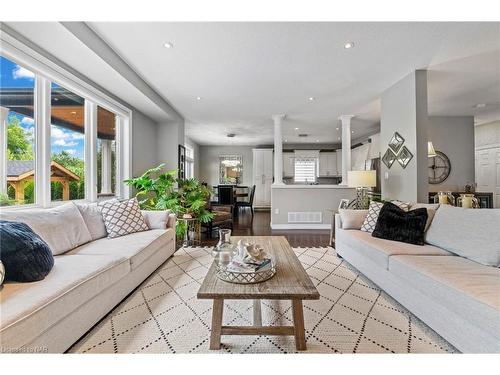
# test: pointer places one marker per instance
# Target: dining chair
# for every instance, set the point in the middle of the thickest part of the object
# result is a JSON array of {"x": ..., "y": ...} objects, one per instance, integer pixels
[{"x": 248, "y": 203}]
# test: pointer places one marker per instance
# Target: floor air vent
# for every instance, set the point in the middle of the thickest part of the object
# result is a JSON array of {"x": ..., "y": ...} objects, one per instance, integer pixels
[{"x": 305, "y": 217}]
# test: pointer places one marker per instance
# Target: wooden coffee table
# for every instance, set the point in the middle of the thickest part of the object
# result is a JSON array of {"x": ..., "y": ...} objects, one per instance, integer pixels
[{"x": 290, "y": 282}]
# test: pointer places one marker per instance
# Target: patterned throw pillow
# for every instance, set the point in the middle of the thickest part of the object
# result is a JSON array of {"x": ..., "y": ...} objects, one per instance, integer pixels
[
  {"x": 122, "y": 218},
  {"x": 374, "y": 211}
]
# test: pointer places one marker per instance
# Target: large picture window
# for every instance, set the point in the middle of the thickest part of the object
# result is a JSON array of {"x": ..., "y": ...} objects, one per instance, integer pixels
[
  {"x": 17, "y": 130},
  {"x": 60, "y": 139}
]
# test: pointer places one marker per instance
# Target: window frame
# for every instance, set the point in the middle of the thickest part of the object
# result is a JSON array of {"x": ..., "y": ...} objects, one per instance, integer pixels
[
  {"x": 47, "y": 71},
  {"x": 312, "y": 160}
]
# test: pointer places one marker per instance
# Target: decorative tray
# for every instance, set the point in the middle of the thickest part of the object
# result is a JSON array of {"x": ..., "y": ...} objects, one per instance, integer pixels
[{"x": 245, "y": 277}]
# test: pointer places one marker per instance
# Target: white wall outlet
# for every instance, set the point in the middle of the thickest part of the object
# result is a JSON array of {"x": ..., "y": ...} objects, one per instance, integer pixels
[{"x": 276, "y": 211}]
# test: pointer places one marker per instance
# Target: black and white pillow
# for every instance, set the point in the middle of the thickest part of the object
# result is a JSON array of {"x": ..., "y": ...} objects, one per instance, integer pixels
[
  {"x": 373, "y": 212},
  {"x": 122, "y": 217}
]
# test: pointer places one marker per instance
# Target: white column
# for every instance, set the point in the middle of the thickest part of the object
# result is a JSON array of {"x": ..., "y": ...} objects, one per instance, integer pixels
[
  {"x": 4, "y": 112},
  {"x": 346, "y": 146},
  {"x": 106, "y": 166},
  {"x": 278, "y": 150}
]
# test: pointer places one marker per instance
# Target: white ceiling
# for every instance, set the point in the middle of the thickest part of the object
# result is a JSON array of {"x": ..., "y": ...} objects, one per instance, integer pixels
[{"x": 246, "y": 72}]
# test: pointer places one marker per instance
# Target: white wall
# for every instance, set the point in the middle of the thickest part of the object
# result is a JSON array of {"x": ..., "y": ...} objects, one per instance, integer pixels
[
  {"x": 209, "y": 162},
  {"x": 454, "y": 135},
  {"x": 169, "y": 136},
  {"x": 144, "y": 145},
  {"x": 404, "y": 110}
]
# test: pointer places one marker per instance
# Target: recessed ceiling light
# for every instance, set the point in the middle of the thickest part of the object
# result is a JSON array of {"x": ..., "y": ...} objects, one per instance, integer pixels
[
  {"x": 317, "y": 140},
  {"x": 349, "y": 45},
  {"x": 296, "y": 128},
  {"x": 480, "y": 105},
  {"x": 311, "y": 98},
  {"x": 198, "y": 98},
  {"x": 338, "y": 138},
  {"x": 337, "y": 128},
  {"x": 286, "y": 140},
  {"x": 168, "y": 45},
  {"x": 352, "y": 131}
]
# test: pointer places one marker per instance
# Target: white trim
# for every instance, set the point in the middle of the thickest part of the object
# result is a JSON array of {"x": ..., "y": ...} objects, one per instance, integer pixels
[
  {"x": 301, "y": 226},
  {"x": 42, "y": 141},
  {"x": 90, "y": 119}
]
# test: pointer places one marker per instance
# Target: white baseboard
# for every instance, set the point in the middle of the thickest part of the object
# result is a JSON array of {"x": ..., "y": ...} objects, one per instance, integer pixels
[{"x": 301, "y": 226}]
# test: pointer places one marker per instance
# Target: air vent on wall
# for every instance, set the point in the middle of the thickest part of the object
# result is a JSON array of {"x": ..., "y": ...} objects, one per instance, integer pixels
[
  {"x": 305, "y": 217},
  {"x": 303, "y": 135}
]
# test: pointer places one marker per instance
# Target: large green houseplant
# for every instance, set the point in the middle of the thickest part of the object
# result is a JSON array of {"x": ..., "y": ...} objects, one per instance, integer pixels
[{"x": 157, "y": 190}]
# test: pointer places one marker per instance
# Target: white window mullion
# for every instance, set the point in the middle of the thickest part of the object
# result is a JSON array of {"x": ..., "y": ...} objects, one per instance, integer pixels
[
  {"x": 123, "y": 155},
  {"x": 42, "y": 141},
  {"x": 90, "y": 155}
]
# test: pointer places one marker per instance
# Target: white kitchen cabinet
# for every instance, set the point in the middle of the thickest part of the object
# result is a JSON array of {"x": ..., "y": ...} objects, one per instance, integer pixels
[
  {"x": 288, "y": 164},
  {"x": 327, "y": 164},
  {"x": 262, "y": 177},
  {"x": 338, "y": 154}
]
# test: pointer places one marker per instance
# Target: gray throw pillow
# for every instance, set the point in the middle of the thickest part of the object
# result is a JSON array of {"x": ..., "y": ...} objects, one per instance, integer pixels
[
  {"x": 373, "y": 212},
  {"x": 122, "y": 218}
]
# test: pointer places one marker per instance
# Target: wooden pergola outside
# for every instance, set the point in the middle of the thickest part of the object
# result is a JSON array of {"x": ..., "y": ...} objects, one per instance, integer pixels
[{"x": 19, "y": 172}]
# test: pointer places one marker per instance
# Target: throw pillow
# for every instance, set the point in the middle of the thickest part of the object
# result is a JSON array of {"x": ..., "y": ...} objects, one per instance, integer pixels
[
  {"x": 156, "y": 219},
  {"x": 48, "y": 224},
  {"x": 93, "y": 219},
  {"x": 122, "y": 218},
  {"x": 399, "y": 225},
  {"x": 352, "y": 219},
  {"x": 25, "y": 256},
  {"x": 373, "y": 212},
  {"x": 431, "y": 211}
]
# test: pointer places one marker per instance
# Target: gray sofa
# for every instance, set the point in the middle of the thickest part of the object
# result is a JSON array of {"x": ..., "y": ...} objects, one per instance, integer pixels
[
  {"x": 452, "y": 283},
  {"x": 91, "y": 275}
]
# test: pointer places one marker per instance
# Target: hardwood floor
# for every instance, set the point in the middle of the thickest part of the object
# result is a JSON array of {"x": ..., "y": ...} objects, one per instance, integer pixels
[{"x": 260, "y": 226}]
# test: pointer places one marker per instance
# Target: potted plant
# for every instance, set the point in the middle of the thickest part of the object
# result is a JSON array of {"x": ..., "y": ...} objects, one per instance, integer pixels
[{"x": 164, "y": 191}]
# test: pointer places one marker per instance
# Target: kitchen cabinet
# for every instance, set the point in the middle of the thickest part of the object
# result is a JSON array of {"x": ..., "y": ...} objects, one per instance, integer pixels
[
  {"x": 262, "y": 177},
  {"x": 327, "y": 164},
  {"x": 288, "y": 164},
  {"x": 338, "y": 154}
]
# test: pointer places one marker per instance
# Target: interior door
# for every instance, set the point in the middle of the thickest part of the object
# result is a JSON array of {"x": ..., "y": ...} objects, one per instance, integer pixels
[
  {"x": 496, "y": 188},
  {"x": 488, "y": 173}
]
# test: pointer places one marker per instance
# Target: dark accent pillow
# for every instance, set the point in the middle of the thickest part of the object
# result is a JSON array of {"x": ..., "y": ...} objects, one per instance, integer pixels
[
  {"x": 25, "y": 256},
  {"x": 398, "y": 225}
]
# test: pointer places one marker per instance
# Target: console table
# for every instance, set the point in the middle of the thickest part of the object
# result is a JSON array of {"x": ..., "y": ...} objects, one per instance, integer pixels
[{"x": 485, "y": 199}]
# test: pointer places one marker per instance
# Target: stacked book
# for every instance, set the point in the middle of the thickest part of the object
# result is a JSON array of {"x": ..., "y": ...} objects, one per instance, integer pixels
[{"x": 248, "y": 265}]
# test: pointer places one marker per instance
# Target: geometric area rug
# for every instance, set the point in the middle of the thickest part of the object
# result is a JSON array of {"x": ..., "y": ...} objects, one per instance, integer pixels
[{"x": 352, "y": 315}]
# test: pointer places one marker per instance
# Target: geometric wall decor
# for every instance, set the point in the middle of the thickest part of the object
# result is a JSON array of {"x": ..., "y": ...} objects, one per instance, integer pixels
[
  {"x": 404, "y": 157},
  {"x": 396, "y": 142},
  {"x": 397, "y": 151},
  {"x": 389, "y": 158}
]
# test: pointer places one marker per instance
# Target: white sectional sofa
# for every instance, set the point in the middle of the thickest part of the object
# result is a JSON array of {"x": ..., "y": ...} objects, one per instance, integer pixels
[
  {"x": 457, "y": 297},
  {"x": 88, "y": 279}
]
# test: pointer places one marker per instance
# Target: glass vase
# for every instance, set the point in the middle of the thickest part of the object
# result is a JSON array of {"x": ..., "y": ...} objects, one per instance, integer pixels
[{"x": 223, "y": 251}]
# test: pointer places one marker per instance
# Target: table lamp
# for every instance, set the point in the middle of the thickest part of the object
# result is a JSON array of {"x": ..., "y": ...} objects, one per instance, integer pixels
[{"x": 361, "y": 180}]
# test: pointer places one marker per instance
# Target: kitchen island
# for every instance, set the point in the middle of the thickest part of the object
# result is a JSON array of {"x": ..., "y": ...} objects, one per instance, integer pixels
[{"x": 306, "y": 206}]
